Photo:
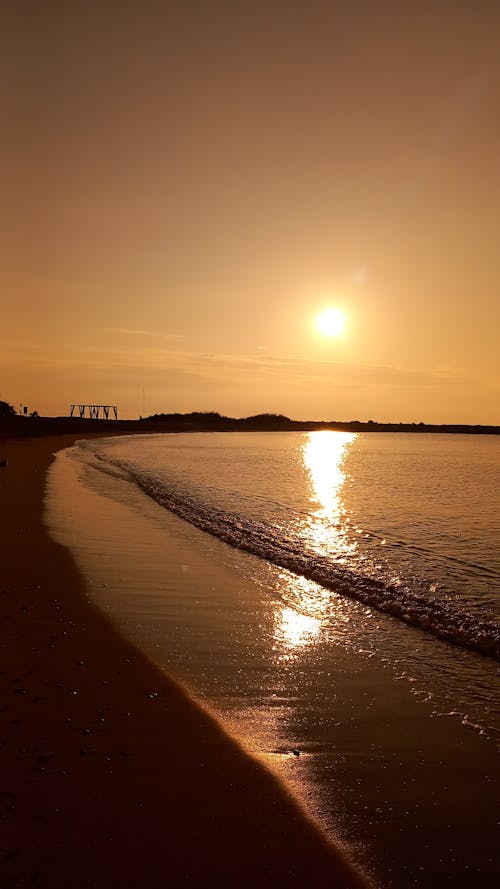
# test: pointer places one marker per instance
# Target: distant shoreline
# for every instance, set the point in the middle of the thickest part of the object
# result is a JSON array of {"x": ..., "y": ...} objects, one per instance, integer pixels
[{"x": 21, "y": 427}]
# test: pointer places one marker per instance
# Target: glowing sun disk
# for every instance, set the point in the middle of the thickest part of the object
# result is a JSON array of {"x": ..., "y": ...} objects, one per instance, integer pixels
[{"x": 331, "y": 322}]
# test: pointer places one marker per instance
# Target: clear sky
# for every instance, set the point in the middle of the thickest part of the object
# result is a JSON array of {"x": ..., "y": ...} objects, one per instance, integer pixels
[{"x": 186, "y": 185}]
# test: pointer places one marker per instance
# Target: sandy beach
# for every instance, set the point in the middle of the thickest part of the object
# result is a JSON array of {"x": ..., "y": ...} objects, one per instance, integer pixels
[{"x": 110, "y": 774}]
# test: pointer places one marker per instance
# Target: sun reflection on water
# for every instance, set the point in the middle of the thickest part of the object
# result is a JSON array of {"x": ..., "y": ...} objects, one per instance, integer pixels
[
  {"x": 297, "y": 629},
  {"x": 324, "y": 454},
  {"x": 306, "y": 608},
  {"x": 307, "y": 615}
]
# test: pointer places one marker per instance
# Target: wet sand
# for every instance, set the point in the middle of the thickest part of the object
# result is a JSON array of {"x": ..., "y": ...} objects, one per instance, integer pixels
[
  {"x": 383, "y": 764},
  {"x": 110, "y": 774}
]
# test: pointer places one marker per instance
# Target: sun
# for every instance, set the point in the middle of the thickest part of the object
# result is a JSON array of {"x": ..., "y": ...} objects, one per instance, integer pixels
[{"x": 331, "y": 322}]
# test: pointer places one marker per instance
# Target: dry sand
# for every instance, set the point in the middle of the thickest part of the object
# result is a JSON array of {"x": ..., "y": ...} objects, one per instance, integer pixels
[{"x": 110, "y": 775}]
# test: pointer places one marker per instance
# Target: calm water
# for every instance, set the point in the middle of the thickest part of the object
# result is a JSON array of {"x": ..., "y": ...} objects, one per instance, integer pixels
[{"x": 354, "y": 617}]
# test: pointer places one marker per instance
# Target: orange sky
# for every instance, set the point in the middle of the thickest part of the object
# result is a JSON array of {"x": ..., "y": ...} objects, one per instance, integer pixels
[{"x": 186, "y": 184}]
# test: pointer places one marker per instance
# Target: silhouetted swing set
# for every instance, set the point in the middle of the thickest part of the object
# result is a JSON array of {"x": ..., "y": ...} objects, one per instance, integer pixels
[{"x": 94, "y": 411}]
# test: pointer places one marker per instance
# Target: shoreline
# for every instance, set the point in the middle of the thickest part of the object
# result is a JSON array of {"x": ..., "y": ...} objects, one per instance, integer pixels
[
  {"x": 111, "y": 774},
  {"x": 32, "y": 427},
  {"x": 384, "y": 747}
]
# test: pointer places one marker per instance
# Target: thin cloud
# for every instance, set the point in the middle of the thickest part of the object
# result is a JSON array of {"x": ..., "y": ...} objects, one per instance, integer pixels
[
  {"x": 218, "y": 366},
  {"x": 127, "y": 331}
]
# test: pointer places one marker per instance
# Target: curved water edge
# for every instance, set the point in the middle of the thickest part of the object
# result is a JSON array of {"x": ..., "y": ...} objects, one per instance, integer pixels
[
  {"x": 443, "y": 618},
  {"x": 289, "y": 665},
  {"x": 447, "y": 622}
]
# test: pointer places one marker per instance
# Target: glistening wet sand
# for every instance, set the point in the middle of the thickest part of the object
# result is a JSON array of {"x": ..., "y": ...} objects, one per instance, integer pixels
[
  {"x": 111, "y": 775},
  {"x": 379, "y": 766}
]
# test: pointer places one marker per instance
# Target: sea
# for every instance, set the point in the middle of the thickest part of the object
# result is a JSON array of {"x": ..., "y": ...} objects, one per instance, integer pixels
[{"x": 334, "y": 599}]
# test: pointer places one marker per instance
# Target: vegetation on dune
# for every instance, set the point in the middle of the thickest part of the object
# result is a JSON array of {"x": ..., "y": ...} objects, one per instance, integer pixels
[
  {"x": 6, "y": 409},
  {"x": 210, "y": 419},
  {"x": 213, "y": 421}
]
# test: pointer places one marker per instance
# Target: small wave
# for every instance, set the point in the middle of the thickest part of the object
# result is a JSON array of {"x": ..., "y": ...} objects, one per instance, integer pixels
[
  {"x": 443, "y": 619},
  {"x": 282, "y": 546},
  {"x": 90, "y": 457}
]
